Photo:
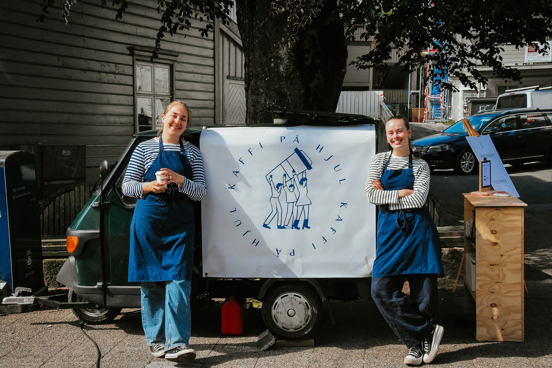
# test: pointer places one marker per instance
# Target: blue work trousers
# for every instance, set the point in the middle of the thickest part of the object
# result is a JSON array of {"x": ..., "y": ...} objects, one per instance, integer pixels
[
  {"x": 166, "y": 315},
  {"x": 413, "y": 317}
]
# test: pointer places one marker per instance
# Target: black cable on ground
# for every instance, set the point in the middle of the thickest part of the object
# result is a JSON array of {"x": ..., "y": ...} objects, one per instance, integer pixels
[{"x": 98, "y": 352}]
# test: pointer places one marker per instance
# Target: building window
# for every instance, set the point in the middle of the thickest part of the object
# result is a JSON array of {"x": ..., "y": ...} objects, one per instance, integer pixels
[
  {"x": 153, "y": 93},
  {"x": 153, "y": 86}
]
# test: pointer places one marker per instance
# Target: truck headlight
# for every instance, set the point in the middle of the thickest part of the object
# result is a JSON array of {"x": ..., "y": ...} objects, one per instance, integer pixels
[{"x": 438, "y": 148}]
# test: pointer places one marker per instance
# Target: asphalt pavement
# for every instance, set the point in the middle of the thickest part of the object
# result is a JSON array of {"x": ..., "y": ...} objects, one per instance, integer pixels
[{"x": 43, "y": 337}]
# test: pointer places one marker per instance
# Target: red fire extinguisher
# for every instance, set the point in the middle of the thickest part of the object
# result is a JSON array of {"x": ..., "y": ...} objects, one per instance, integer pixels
[{"x": 232, "y": 321}]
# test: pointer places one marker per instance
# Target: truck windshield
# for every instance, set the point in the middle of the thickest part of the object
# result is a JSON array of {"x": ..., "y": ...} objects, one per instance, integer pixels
[
  {"x": 512, "y": 102},
  {"x": 477, "y": 121}
]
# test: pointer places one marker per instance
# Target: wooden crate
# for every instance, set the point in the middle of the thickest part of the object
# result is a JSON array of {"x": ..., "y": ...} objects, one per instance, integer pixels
[{"x": 498, "y": 246}]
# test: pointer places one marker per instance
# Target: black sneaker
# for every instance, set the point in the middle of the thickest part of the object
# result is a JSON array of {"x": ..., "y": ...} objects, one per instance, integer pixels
[
  {"x": 431, "y": 344},
  {"x": 157, "y": 349},
  {"x": 414, "y": 356},
  {"x": 181, "y": 353}
]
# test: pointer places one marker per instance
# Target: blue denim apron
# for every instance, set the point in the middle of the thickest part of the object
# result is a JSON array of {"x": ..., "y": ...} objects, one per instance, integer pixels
[
  {"x": 162, "y": 228},
  {"x": 407, "y": 240}
]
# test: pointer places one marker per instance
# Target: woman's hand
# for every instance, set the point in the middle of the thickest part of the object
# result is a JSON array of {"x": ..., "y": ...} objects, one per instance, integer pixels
[
  {"x": 166, "y": 176},
  {"x": 172, "y": 177},
  {"x": 153, "y": 186},
  {"x": 377, "y": 184},
  {"x": 405, "y": 192}
]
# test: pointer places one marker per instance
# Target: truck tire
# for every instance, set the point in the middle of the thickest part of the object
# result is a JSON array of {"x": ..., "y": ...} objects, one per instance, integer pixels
[
  {"x": 292, "y": 311},
  {"x": 92, "y": 316},
  {"x": 465, "y": 162}
]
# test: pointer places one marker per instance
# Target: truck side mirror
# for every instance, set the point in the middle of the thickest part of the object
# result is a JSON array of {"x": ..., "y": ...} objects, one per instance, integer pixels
[{"x": 104, "y": 168}]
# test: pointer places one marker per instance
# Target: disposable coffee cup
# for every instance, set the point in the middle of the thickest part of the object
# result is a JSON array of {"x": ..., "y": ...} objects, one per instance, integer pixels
[{"x": 159, "y": 176}]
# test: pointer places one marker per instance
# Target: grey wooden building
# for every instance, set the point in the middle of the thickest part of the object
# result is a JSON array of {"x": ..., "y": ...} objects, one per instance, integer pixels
[{"x": 75, "y": 93}]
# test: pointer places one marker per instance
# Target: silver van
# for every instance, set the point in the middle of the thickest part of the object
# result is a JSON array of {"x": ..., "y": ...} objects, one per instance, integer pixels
[{"x": 525, "y": 97}]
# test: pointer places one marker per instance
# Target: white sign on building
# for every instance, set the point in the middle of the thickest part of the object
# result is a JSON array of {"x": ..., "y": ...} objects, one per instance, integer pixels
[
  {"x": 532, "y": 56},
  {"x": 288, "y": 202}
]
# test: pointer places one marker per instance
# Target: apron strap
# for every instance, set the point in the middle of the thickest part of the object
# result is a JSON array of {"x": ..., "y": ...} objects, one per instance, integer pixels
[
  {"x": 388, "y": 159},
  {"x": 182, "y": 151},
  {"x": 160, "y": 144},
  {"x": 411, "y": 177}
]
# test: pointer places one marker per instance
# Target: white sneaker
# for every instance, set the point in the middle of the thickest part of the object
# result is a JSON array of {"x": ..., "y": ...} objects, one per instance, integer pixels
[
  {"x": 431, "y": 344},
  {"x": 181, "y": 353},
  {"x": 414, "y": 356}
]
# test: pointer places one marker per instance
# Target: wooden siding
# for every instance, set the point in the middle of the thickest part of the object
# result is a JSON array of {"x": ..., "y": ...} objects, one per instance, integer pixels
[
  {"x": 74, "y": 84},
  {"x": 359, "y": 78},
  {"x": 512, "y": 56},
  {"x": 230, "y": 76}
]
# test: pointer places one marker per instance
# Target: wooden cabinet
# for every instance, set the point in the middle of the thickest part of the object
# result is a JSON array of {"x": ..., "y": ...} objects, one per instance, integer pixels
[{"x": 498, "y": 288}]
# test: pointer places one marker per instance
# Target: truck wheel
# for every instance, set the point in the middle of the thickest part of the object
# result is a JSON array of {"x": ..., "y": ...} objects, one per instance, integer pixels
[
  {"x": 92, "y": 316},
  {"x": 465, "y": 162},
  {"x": 292, "y": 311}
]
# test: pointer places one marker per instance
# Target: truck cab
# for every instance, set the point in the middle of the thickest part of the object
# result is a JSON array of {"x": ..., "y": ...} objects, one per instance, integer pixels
[{"x": 246, "y": 244}]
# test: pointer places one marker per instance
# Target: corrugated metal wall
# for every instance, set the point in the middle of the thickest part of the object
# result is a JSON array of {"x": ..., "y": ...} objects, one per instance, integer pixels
[
  {"x": 73, "y": 84},
  {"x": 359, "y": 102},
  {"x": 395, "y": 96}
]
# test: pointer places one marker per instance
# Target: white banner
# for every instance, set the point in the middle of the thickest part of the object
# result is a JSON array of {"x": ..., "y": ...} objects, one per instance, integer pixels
[{"x": 288, "y": 202}]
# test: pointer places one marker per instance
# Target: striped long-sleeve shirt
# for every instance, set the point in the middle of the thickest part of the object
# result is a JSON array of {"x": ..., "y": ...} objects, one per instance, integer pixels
[
  {"x": 143, "y": 157},
  {"x": 391, "y": 197}
]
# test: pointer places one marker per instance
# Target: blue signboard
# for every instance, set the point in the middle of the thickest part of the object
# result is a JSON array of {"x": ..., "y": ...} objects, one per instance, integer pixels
[
  {"x": 5, "y": 254},
  {"x": 20, "y": 239}
]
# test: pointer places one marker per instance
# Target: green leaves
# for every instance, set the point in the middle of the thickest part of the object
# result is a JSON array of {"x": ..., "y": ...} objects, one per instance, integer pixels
[{"x": 464, "y": 34}]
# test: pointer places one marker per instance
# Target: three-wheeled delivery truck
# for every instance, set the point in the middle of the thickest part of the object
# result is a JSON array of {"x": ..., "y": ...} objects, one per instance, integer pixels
[{"x": 285, "y": 221}]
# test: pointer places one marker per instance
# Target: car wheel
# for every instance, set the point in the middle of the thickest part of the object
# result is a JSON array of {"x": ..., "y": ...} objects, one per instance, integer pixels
[
  {"x": 465, "y": 162},
  {"x": 92, "y": 316},
  {"x": 292, "y": 311}
]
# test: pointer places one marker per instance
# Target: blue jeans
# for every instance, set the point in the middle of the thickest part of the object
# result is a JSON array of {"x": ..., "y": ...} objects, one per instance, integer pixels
[
  {"x": 166, "y": 315},
  {"x": 412, "y": 318}
]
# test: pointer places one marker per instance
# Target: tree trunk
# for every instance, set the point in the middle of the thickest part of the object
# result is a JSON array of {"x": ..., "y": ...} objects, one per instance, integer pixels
[{"x": 307, "y": 75}]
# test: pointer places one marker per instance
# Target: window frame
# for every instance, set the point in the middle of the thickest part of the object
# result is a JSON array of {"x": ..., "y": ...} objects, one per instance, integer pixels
[
  {"x": 534, "y": 116},
  {"x": 165, "y": 59},
  {"x": 499, "y": 120}
]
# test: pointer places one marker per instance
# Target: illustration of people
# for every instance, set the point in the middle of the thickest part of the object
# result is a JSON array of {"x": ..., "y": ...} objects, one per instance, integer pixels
[
  {"x": 293, "y": 171},
  {"x": 303, "y": 203},
  {"x": 291, "y": 199},
  {"x": 276, "y": 206}
]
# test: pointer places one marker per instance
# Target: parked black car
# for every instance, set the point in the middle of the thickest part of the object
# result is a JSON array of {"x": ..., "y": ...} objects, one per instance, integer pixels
[{"x": 519, "y": 135}]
